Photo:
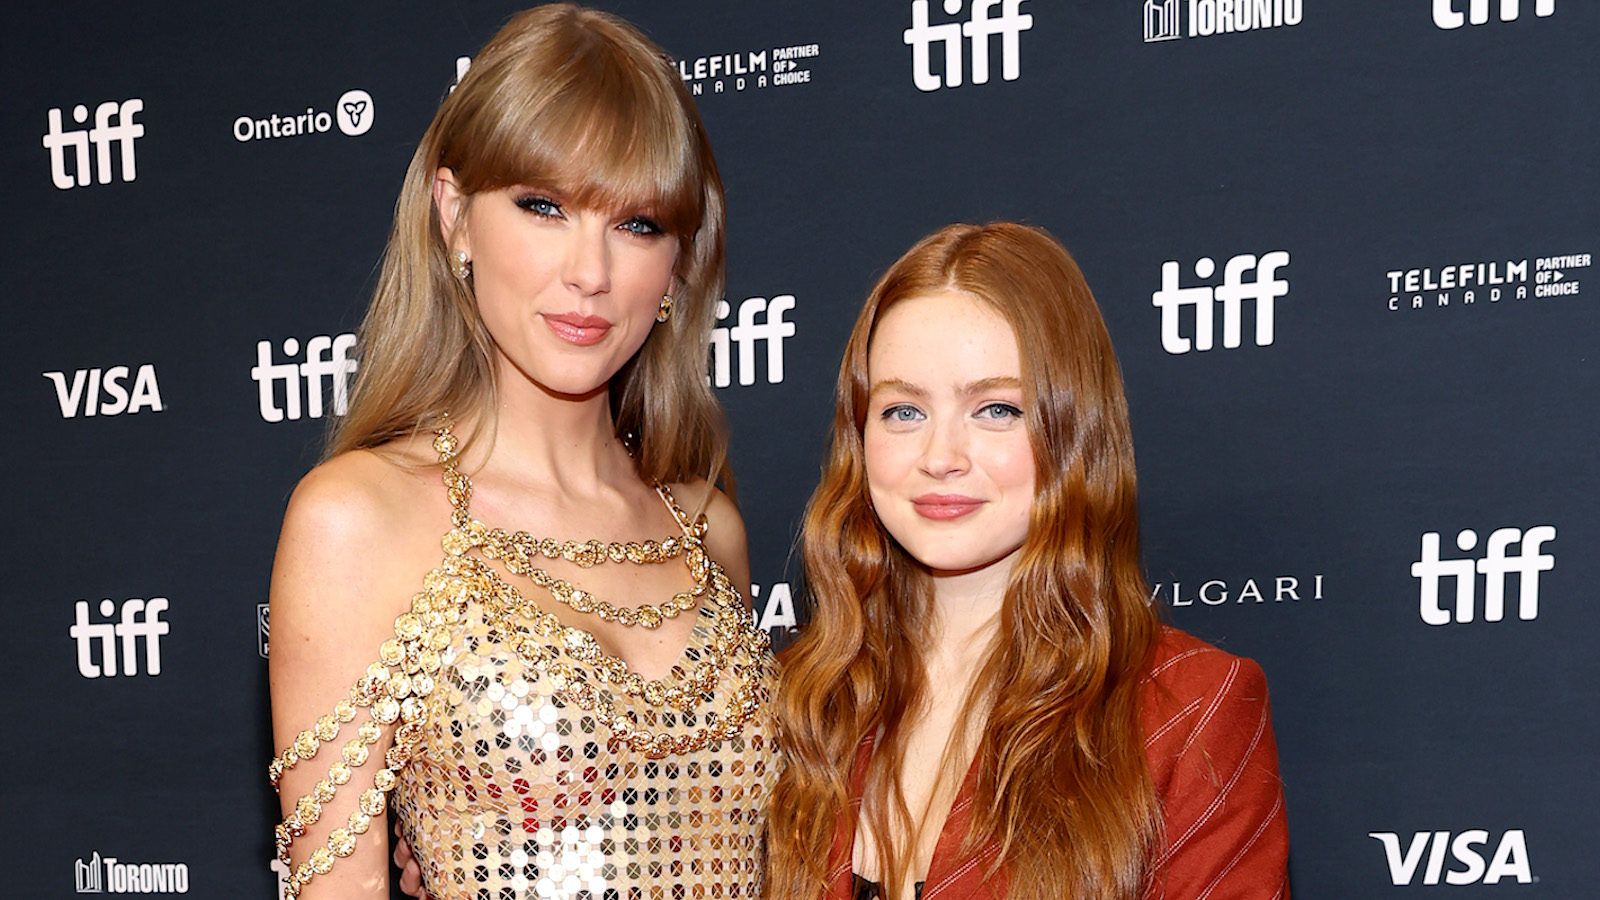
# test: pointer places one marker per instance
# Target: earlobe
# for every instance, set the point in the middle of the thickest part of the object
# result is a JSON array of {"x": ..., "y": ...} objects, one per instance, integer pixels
[{"x": 448, "y": 201}]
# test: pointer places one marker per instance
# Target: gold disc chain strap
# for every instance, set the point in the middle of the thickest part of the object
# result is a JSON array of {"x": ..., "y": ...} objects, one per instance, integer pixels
[{"x": 397, "y": 686}]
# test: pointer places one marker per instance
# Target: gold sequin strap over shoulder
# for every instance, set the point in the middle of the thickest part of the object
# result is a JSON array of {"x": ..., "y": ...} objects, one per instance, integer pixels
[{"x": 472, "y": 648}]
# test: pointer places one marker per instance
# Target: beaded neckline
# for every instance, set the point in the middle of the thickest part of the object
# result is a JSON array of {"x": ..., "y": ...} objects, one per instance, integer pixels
[
  {"x": 518, "y": 551},
  {"x": 400, "y": 686}
]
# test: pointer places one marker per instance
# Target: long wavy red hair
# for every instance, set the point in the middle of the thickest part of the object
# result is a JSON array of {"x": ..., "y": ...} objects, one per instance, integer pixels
[{"x": 1063, "y": 787}]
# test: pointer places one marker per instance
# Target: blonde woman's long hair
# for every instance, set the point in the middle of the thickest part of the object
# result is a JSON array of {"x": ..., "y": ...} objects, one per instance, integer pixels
[
  {"x": 580, "y": 101},
  {"x": 1063, "y": 786}
]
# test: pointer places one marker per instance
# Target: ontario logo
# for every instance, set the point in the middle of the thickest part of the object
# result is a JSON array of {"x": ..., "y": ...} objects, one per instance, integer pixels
[{"x": 353, "y": 113}]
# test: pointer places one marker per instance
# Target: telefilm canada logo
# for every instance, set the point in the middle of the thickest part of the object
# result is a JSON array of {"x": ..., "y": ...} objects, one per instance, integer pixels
[
  {"x": 327, "y": 361},
  {"x": 1507, "y": 552},
  {"x": 1481, "y": 284},
  {"x": 108, "y": 875},
  {"x": 106, "y": 392},
  {"x": 1450, "y": 15},
  {"x": 1464, "y": 851},
  {"x": 1263, "y": 288},
  {"x": 353, "y": 113},
  {"x": 122, "y": 627},
  {"x": 731, "y": 72},
  {"x": 1170, "y": 20},
  {"x": 114, "y": 129},
  {"x": 746, "y": 70},
  {"x": 970, "y": 39},
  {"x": 738, "y": 340},
  {"x": 1274, "y": 590}
]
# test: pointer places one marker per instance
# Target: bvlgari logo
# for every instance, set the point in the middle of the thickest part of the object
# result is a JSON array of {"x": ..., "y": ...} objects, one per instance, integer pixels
[{"x": 1271, "y": 590}]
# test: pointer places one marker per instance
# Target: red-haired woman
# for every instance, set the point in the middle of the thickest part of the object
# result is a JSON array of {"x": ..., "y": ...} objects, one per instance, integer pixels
[{"x": 984, "y": 703}]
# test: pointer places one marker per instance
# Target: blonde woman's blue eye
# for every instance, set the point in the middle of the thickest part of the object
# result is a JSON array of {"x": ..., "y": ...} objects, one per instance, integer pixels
[
  {"x": 642, "y": 225},
  {"x": 540, "y": 206}
]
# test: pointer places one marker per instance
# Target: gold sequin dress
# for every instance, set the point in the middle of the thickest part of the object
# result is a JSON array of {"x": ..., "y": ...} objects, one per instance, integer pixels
[{"x": 532, "y": 764}]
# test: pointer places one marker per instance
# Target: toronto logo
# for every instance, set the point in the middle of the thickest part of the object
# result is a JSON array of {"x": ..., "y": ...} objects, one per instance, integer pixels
[{"x": 1164, "y": 20}]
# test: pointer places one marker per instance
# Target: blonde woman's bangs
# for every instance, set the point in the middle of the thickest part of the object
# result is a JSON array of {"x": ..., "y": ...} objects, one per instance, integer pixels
[{"x": 598, "y": 130}]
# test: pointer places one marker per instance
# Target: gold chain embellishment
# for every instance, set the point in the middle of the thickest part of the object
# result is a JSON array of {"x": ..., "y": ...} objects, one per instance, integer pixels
[
  {"x": 587, "y": 554},
  {"x": 497, "y": 544},
  {"x": 397, "y": 686},
  {"x": 518, "y": 551}
]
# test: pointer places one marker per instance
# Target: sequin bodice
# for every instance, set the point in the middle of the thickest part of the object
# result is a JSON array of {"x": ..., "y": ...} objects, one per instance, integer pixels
[
  {"x": 526, "y": 761},
  {"x": 518, "y": 792}
]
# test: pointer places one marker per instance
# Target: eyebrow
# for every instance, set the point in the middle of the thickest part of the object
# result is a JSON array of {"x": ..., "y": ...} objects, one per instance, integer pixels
[{"x": 982, "y": 385}]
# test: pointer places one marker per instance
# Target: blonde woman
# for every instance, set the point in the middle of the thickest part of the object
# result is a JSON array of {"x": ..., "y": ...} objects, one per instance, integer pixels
[
  {"x": 984, "y": 704},
  {"x": 509, "y": 601}
]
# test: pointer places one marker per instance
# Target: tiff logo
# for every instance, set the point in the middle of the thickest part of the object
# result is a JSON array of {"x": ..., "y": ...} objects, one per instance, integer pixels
[
  {"x": 103, "y": 135},
  {"x": 1495, "y": 566},
  {"x": 773, "y": 329},
  {"x": 326, "y": 357},
  {"x": 921, "y": 37},
  {"x": 140, "y": 619},
  {"x": 90, "y": 385},
  {"x": 1264, "y": 289},
  {"x": 1510, "y": 859},
  {"x": 1446, "y": 16}
]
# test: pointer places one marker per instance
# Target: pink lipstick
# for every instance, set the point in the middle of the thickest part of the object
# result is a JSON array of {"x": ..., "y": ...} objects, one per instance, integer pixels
[
  {"x": 945, "y": 506},
  {"x": 575, "y": 328}
]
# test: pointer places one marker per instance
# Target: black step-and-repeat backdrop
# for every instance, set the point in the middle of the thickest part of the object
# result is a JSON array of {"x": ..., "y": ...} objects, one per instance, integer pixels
[{"x": 1345, "y": 249}]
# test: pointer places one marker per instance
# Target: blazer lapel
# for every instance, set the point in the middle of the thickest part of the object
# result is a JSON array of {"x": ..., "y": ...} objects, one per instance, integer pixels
[
  {"x": 840, "y": 883},
  {"x": 950, "y": 875}
]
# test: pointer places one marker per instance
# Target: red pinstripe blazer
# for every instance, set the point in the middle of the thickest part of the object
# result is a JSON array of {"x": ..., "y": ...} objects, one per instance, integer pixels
[{"x": 1208, "y": 736}]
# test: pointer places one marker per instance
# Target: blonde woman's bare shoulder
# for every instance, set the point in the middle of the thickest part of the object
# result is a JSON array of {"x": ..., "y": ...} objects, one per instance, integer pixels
[
  {"x": 362, "y": 492},
  {"x": 725, "y": 533},
  {"x": 360, "y": 531}
]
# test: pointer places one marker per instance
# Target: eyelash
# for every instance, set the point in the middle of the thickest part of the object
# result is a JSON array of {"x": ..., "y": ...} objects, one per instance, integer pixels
[
  {"x": 545, "y": 208},
  {"x": 642, "y": 226},
  {"x": 533, "y": 203},
  {"x": 1006, "y": 410},
  {"x": 1009, "y": 410}
]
